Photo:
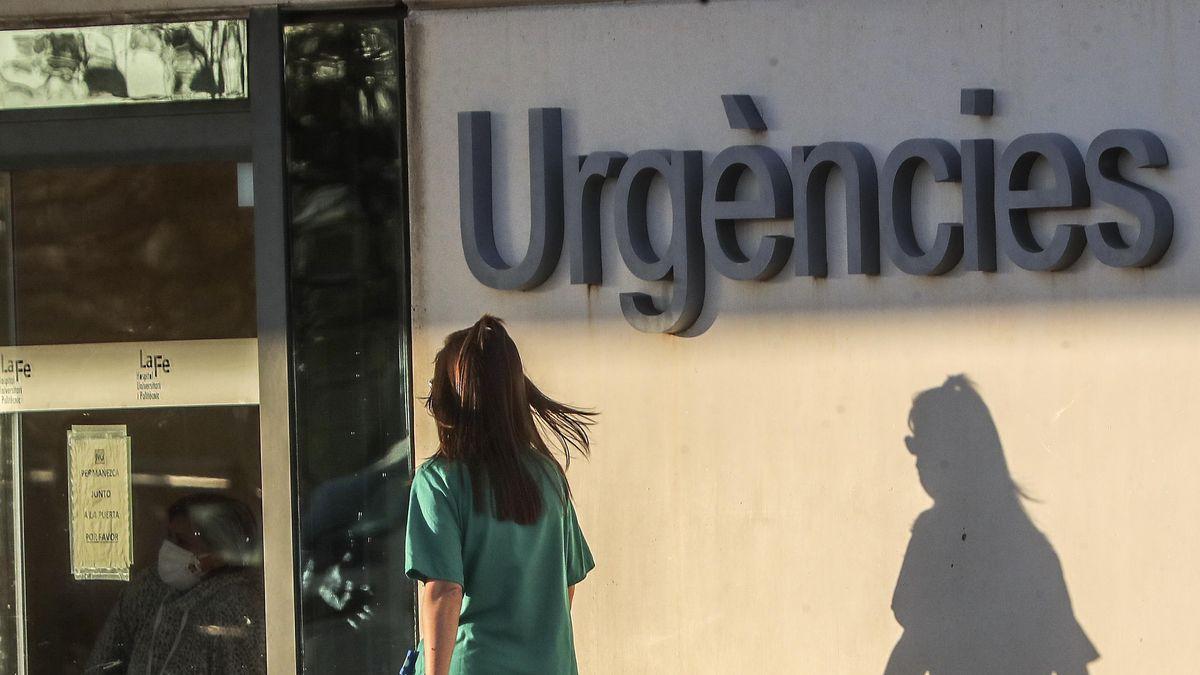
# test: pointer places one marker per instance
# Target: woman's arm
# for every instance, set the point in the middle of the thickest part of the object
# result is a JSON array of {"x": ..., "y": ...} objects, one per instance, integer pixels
[
  {"x": 441, "y": 602},
  {"x": 571, "y": 596}
]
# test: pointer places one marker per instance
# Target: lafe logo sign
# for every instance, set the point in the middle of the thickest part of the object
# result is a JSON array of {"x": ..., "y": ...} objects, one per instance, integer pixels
[
  {"x": 150, "y": 369},
  {"x": 998, "y": 197},
  {"x": 12, "y": 372},
  {"x": 15, "y": 368}
]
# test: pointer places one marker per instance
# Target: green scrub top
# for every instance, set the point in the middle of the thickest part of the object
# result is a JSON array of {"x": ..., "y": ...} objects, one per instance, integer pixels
[{"x": 516, "y": 616}]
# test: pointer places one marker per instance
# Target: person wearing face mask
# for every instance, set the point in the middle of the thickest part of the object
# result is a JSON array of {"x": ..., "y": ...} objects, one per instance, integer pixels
[{"x": 200, "y": 610}]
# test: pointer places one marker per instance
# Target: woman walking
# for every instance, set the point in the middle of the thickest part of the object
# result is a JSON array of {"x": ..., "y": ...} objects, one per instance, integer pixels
[{"x": 492, "y": 533}]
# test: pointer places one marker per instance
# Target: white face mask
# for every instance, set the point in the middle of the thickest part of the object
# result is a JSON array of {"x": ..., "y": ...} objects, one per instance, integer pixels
[{"x": 177, "y": 567}]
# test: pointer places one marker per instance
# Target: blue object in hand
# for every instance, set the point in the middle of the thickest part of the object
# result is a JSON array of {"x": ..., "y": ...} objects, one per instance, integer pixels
[{"x": 410, "y": 663}]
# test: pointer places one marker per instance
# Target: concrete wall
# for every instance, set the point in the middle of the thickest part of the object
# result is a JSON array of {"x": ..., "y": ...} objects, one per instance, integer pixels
[{"x": 750, "y": 500}]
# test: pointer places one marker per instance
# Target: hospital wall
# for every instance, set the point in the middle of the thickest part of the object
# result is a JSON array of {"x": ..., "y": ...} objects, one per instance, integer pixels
[{"x": 750, "y": 496}]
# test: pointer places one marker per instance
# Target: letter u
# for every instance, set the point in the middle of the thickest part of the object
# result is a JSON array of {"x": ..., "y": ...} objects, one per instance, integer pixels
[{"x": 476, "y": 218}]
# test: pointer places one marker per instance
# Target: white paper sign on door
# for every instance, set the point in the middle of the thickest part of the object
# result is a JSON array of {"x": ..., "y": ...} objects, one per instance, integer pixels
[{"x": 101, "y": 503}]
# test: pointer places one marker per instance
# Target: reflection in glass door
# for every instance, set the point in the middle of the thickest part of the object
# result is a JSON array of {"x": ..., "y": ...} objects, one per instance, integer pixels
[
  {"x": 128, "y": 298},
  {"x": 348, "y": 311}
]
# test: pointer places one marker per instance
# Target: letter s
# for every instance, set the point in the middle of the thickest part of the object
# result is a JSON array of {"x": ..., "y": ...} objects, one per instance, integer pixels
[{"x": 1156, "y": 220}]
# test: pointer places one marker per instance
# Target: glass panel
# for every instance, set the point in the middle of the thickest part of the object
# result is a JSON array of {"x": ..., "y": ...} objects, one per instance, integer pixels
[
  {"x": 151, "y": 255},
  {"x": 137, "y": 253},
  {"x": 176, "y": 452},
  {"x": 349, "y": 308},
  {"x": 12, "y": 633},
  {"x": 133, "y": 63},
  {"x": 11, "y": 567}
]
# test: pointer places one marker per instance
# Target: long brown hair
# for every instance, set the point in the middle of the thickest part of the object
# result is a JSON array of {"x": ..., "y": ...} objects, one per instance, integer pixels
[{"x": 491, "y": 417}]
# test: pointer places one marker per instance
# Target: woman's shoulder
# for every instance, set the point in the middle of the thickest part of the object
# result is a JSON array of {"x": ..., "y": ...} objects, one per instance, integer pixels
[
  {"x": 435, "y": 465},
  {"x": 451, "y": 476},
  {"x": 440, "y": 473}
]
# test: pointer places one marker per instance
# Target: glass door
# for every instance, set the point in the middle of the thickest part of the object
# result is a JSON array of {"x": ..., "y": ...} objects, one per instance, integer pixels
[
  {"x": 129, "y": 425},
  {"x": 348, "y": 313}
]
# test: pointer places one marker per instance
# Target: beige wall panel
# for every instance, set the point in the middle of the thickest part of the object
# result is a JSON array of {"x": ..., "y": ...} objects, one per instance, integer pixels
[{"x": 750, "y": 498}]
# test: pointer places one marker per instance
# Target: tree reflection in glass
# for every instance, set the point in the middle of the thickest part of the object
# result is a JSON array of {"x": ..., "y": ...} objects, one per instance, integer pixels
[
  {"x": 129, "y": 63},
  {"x": 348, "y": 309}
]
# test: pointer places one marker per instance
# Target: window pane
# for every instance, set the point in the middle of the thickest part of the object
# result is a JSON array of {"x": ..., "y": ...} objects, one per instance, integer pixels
[
  {"x": 349, "y": 328},
  {"x": 117, "y": 254},
  {"x": 131, "y": 63},
  {"x": 176, "y": 452},
  {"x": 131, "y": 257}
]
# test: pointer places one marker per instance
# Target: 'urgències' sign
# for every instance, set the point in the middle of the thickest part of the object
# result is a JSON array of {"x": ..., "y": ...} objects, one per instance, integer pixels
[{"x": 997, "y": 199}]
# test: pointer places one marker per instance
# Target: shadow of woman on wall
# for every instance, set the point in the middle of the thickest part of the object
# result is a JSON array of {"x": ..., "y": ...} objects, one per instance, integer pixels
[{"x": 981, "y": 590}]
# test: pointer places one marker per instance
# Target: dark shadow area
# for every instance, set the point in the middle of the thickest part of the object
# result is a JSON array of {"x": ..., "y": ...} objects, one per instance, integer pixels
[{"x": 981, "y": 589}]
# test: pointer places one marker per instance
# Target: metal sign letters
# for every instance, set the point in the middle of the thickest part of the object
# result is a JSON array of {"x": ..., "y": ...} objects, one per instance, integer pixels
[{"x": 998, "y": 197}]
